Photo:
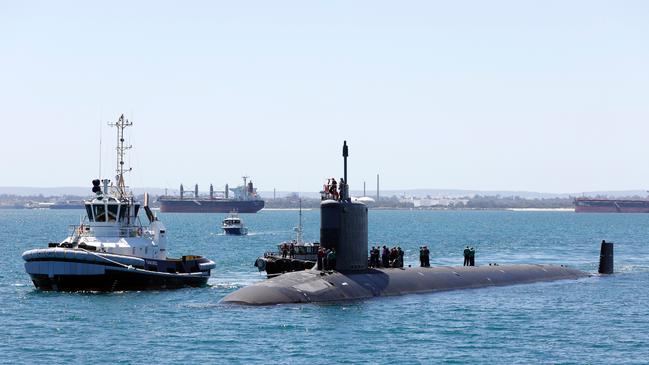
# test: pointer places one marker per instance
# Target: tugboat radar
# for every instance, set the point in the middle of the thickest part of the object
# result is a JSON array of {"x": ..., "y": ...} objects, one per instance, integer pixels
[{"x": 96, "y": 186}]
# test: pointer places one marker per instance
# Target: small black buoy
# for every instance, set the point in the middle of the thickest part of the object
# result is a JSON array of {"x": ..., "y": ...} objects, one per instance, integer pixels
[{"x": 606, "y": 258}]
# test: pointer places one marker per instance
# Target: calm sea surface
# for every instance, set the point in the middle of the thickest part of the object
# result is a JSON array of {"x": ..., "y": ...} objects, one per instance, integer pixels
[{"x": 594, "y": 320}]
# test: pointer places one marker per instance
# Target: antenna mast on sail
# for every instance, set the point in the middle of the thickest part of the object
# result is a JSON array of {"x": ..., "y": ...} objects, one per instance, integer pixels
[
  {"x": 299, "y": 227},
  {"x": 121, "y": 124}
]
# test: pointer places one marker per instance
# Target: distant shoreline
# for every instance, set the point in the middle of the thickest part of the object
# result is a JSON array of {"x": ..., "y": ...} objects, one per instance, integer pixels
[
  {"x": 541, "y": 209},
  {"x": 371, "y": 208}
]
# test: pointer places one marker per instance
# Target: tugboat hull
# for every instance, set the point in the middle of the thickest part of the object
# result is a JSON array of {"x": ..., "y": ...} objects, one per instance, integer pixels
[
  {"x": 116, "y": 280},
  {"x": 78, "y": 270}
]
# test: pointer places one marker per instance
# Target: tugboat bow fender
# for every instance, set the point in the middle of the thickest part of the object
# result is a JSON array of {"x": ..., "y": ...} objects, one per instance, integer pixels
[
  {"x": 206, "y": 265},
  {"x": 67, "y": 254}
]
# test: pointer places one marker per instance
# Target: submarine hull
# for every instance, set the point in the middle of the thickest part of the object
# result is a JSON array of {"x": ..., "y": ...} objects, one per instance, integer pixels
[{"x": 313, "y": 286}]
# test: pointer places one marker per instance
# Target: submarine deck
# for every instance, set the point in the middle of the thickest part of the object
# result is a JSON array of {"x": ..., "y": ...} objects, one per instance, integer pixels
[{"x": 313, "y": 286}]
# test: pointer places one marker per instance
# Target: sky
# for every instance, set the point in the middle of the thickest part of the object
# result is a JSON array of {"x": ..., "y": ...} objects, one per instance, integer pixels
[{"x": 547, "y": 96}]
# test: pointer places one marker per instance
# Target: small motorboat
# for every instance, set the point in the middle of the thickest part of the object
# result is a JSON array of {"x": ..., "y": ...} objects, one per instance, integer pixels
[
  {"x": 294, "y": 255},
  {"x": 233, "y": 225}
]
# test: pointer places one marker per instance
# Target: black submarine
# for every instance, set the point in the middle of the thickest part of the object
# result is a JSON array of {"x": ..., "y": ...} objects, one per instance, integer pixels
[{"x": 343, "y": 227}]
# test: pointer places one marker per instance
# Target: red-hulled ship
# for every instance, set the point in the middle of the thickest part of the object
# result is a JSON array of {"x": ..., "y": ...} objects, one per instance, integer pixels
[{"x": 588, "y": 205}]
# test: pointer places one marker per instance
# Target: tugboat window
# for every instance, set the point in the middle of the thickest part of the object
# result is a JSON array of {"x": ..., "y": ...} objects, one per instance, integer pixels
[
  {"x": 112, "y": 212},
  {"x": 122, "y": 213},
  {"x": 89, "y": 213},
  {"x": 100, "y": 212}
]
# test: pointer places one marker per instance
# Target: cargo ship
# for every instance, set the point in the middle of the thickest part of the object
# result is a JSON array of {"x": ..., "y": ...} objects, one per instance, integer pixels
[
  {"x": 244, "y": 199},
  {"x": 588, "y": 205}
]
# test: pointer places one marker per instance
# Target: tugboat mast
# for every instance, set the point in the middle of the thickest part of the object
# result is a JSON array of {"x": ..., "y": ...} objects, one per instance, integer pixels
[{"x": 121, "y": 124}]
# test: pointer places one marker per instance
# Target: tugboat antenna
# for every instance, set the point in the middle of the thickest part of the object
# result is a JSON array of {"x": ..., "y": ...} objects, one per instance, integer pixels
[
  {"x": 121, "y": 124},
  {"x": 100, "y": 137}
]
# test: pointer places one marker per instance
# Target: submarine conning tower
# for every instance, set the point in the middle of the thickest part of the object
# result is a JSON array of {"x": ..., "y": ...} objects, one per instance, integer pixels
[{"x": 343, "y": 227}]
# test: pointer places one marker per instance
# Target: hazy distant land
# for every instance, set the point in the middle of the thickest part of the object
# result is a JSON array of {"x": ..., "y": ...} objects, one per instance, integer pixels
[
  {"x": 38, "y": 197},
  {"x": 267, "y": 194}
]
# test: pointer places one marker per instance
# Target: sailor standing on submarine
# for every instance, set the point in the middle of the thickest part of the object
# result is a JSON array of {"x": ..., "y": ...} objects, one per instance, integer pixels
[{"x": 471, "y": 256}]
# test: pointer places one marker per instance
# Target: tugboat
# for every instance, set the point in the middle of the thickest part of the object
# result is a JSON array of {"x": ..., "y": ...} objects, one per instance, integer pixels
[
  {"x": 233, "y": 225},
  {"x": 111, "y": 250},
  {"x": 304, "y": 257}
]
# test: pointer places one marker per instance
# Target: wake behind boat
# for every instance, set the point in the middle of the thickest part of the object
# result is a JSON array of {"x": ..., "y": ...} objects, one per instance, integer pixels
[{"x": 111, "y": 250}]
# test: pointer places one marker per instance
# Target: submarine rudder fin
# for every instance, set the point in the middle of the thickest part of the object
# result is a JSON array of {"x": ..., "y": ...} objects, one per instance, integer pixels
[{"x": 606, "y": 259}]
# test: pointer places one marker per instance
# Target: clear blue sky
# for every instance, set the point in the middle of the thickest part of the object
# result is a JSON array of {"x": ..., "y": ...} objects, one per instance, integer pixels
[{"x": 546, "y": 96}]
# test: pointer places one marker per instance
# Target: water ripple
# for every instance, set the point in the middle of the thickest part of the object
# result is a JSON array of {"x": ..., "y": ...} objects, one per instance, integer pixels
[{"x": 600, "y": 319}]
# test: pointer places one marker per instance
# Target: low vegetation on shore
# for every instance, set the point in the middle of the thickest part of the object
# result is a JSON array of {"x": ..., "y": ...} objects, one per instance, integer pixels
[{"x": 292, "y": 201}]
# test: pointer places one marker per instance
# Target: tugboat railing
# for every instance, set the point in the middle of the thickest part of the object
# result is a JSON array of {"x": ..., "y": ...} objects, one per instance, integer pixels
[{"x": 85, "y": 230}]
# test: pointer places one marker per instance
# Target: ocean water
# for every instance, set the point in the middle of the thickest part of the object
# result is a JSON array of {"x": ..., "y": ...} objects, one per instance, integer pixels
[{"x": 593, "y": 320}]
